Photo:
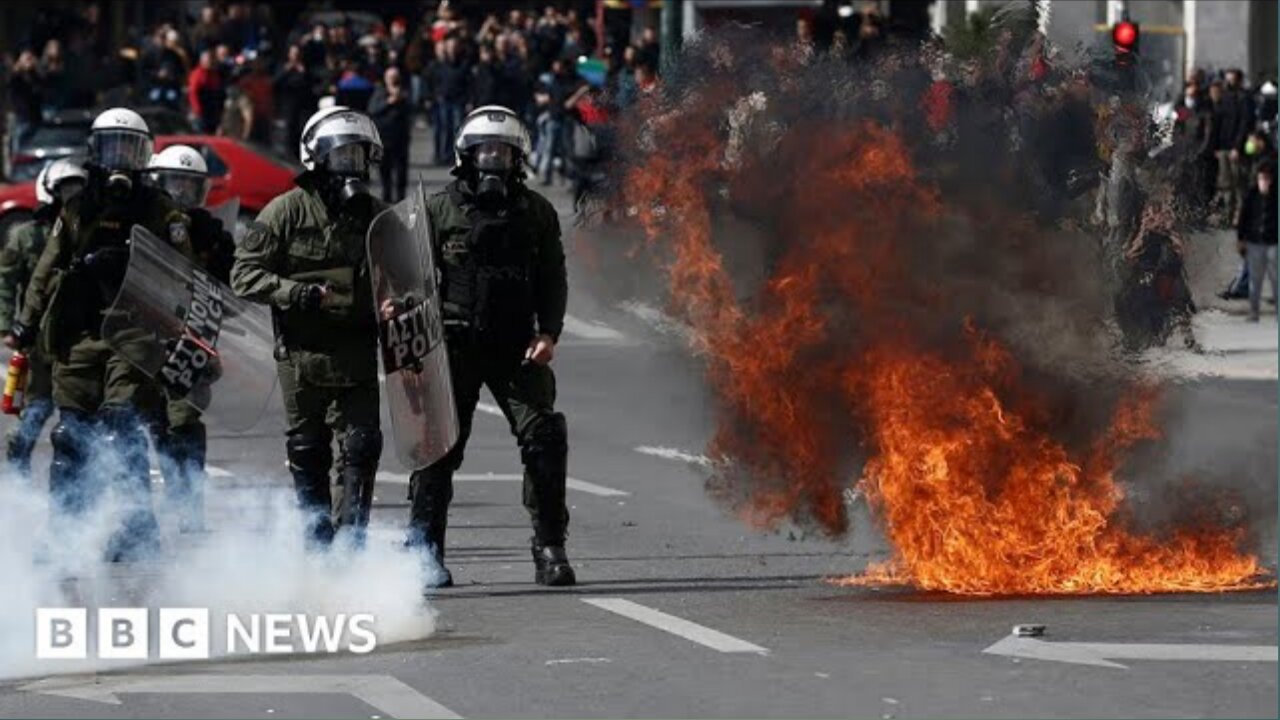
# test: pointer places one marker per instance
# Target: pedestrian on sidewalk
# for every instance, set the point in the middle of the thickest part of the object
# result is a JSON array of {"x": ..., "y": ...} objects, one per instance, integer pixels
[
  {"x": 392, "y": 112},
  {"x": 1256, "y": 233}
]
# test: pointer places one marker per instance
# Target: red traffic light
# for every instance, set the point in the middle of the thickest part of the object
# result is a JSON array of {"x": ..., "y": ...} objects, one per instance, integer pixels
[{"x": 1125, "y": 36}]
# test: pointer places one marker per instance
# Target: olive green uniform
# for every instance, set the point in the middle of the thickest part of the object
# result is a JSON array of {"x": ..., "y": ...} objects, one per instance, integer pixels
[
  {"x": 326, "y": 357},
  {"x": 502, "y": 282},
  {"x": 17, "y": 260},
  {"x": 104, "y": 401}
]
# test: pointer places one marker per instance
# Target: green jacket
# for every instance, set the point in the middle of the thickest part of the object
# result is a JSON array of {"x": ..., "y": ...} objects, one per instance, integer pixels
[
  {"x": 510, "y": 279},
  {"x": 83, "y": 262},
  {"x": 294, "y": 240},
  {"x": 17, "y": 261}
]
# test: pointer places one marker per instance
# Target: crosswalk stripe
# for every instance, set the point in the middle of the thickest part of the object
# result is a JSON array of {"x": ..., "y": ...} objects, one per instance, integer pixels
[{"x": 686, "y": 629}]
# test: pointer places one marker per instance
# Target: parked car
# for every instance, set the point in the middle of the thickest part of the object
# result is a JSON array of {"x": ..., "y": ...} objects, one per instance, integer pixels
[
  {"x": 67, "y": 133},
  {"x": 253, "y": 174}
]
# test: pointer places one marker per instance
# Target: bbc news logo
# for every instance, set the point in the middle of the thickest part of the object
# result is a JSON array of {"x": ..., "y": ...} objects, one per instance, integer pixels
[{"x": 186, "y": 634}]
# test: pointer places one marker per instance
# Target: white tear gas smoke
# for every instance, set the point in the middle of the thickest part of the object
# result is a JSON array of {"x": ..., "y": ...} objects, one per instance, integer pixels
[{"x": 252, "y": 562}]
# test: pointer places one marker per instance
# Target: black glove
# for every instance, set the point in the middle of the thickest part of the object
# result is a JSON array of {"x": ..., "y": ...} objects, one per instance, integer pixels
[
  {"x": 306, "y": 296},
  {"x": 23, "y": 336}
]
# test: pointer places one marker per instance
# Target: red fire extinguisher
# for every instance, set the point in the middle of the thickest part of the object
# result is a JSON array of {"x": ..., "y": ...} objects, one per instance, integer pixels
[{"x": 15, "y": 385}]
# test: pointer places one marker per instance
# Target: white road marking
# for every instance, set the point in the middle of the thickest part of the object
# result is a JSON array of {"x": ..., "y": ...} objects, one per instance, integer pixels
[
  {"x": 572, "y": 483},
  {"x": 669, "y": 453},
  {"x": 1097, "y": 653},
  {"x": 210, "y": 470},
  {"x": 384, "y": 692},
  {"x": 658, "y": 320},
  {"x": 489, "y": 408},
  {"x": 692, "y": 631},
  {"x": 576, "y": 661},
  {"x": 590, "y": 330}
]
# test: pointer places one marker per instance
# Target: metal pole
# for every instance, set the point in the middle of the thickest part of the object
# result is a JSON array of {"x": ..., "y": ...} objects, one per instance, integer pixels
[
  {"x": 1189, "y": 35},
  {"x": 671, "y": 28},
  {"x": 600, "y": 29},
  {"x": 1116, "y": 10}
]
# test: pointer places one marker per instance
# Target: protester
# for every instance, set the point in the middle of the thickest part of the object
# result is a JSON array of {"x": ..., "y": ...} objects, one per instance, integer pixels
[
  {"x": 206, "y": 93},
  {"x": 1256, "y": 233},
  {"x": 295, "y": 97},
  {"x": 393, "y": 114}
]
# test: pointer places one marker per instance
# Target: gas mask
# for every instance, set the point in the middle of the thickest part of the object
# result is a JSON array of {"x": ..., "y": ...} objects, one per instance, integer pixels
[
  {"x": 119, "y": 186},
  {"x": 494, "y": 162},
  {"x": 348, "y": 179},
  {"x": 121, "y": 155}
]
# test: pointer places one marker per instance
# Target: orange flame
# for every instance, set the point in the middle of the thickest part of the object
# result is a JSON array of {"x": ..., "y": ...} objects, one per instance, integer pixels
[{"x": 961, "y": 464}]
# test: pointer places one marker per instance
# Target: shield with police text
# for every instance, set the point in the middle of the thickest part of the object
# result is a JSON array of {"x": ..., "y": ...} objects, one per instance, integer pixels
[
  {"x": 188, "y": 331},
  {"x": 415, "y": 361}
]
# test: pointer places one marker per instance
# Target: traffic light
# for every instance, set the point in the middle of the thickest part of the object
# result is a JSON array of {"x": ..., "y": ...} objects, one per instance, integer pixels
[{"x": 1124, "y": 35}]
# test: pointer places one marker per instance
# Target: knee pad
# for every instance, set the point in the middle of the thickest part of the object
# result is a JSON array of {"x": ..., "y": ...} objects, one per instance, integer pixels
[
  {"x": 547, "y": 437},
  {"x": 309, "y": 453},
  {"x": 362, "y": 447}
]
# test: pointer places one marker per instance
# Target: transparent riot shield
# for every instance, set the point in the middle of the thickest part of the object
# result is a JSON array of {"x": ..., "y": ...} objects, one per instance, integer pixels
[
  {"x": 189, "y": 332},
  {"x": 227, "y": 213},
  {"x": 411, "y": 333}
]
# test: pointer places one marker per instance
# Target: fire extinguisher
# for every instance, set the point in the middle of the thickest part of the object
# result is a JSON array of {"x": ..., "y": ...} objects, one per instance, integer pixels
[{"x": 15, "y": 385}]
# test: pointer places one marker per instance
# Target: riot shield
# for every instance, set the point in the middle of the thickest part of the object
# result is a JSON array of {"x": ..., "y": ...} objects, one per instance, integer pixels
[
  {"x": 189, "y": 332},
  {"x": 227, "y": 213},
  {"x": 411, "y": 333}
]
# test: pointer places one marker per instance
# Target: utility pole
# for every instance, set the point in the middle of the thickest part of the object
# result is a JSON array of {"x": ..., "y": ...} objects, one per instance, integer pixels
[{"x": 671, "y": 25}]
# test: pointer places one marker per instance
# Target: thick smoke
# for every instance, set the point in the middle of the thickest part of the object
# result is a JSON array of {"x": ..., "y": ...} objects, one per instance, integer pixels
[
  {"x": 252, "y": 561},
  {"x": 808, "y": 213}
]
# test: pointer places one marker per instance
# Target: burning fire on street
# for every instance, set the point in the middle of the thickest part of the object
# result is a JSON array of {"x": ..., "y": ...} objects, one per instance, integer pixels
[{"x": 883, "y": 304}]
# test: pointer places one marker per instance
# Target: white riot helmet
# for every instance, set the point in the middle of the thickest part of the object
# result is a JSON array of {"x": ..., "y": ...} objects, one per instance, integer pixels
[
  {"x": 59, "y": 180},
  {"x": 340, "y": 140},
  {"x": 486, "y": 130},
  {"x": 120, "y": 141},
  {"x": 182, "y": 172}
]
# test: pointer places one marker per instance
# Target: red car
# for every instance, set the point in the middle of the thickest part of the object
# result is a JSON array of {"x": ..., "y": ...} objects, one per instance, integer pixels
[{"x": 237, "y": 170}]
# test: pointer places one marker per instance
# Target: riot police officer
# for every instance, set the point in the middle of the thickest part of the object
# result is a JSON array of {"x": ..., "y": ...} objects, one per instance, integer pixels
[
  {"x": 103, "y": 400},
  {"x": 58, "y": 181},
  {"x": 181, "y": 439},
  {"x": 304, "y": 256},
  {"x": 503, "y": 293}
]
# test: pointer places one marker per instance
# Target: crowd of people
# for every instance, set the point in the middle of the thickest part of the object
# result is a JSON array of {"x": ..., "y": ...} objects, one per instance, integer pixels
[
  {"x": 1227, "y": 132},
  {"x": 233, "y": 72}
]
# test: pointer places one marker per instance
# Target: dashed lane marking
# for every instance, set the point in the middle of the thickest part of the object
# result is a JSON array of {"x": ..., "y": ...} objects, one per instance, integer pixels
[
  {"x": 212, "y": 471},
  {"x": 669, "y": 453},
  {"x": 489, "y": 408},
  {"x": 572, "y": 483},
  {"x": 590, "y": 330},
  {"x": 692, "y": 631}
]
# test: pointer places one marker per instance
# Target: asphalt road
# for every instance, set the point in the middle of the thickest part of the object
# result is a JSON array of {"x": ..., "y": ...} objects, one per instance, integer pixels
[{"x": 745, "y": 625}]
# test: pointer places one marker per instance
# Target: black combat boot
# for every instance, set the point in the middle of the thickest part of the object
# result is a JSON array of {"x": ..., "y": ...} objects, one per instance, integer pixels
[
  {"x": 545, "y": 455},
  {"x": 310, "y": 458},
  {"x": 428, "y": 520},
  {"x": 181, "y": 452},
  {"x": 129, "y": 465},
  {"x": 361, "y": 449},
  {"x": 551, "y": 566}
]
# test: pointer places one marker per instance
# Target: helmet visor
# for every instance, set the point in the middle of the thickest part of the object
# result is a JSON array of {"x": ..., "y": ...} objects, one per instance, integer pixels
[
  {"x": 187, "y": 189},
  {"x": 350, "y": 159},
  {"x": 495, "y": 156},
  {"x": 120, "y": 150}
]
